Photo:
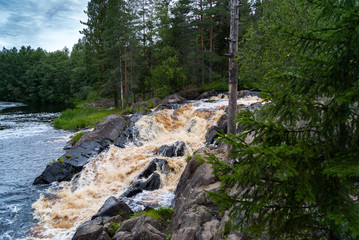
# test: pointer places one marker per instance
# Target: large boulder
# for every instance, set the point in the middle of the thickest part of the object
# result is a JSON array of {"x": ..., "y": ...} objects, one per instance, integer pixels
[
  {"x": 196, "y": 217},
  {"x": 175, "y": 150},
  {"x": 71, "y": 162},
  {"x": 109, "y": 129},
  {"x": 90, "y": 144},
  {"x": 207, "y": 95},
  {"x": 143, "y": 227},
  {"x": 56, "y": 171},
  {"x": 174, "y": 98},
  {"x": 91, "y": 230},
  {"x": 131, "y": 132},
  {"x": 221, "y": 126},
  {"x": 148, "y": 179},
  {"x": 113, "y": 207}
]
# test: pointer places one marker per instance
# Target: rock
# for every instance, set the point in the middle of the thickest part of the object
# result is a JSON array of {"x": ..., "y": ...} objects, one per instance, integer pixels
[
  {"x": 71, "y": 163},
  {"x": 131, "y": 133},
  {"x": 91, "y": 230},
  {"x": 143, "y": 227},
  {"x": 113, "y": 207},
  {"x": 221, "y": 126},
  {"x": 166, "y": 151},
  {"x": 207, "y": 95},
  {"x": 55, "y": 172},
  {"x": 152, "y": 183},
  {"x": 174, "y": 98},
  {"x": 194, "y": 212},
  {"x": 175, "y": 150},
  {"x": 123, "y": 236},
  {"x": 210, "y": 230},
  {"x": 246, "y": 93},
  {"x": 155, "y": 165},
  {"x": 148, "y": 179},
  {"x": 109, "y": 129},
  {"x": 155, "y": 101}
]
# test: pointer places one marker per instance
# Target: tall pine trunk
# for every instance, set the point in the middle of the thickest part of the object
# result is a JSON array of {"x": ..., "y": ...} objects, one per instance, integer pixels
[
  {"x": 233, "y": 66},
  {"x": 210, "y": 42}
]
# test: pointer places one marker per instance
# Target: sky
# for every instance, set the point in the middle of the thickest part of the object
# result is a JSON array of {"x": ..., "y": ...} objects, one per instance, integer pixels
[{"x": 48, "y": 24}]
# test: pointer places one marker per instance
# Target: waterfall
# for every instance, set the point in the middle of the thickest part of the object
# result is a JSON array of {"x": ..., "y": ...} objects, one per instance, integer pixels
[{"x": 68, "y": 204}]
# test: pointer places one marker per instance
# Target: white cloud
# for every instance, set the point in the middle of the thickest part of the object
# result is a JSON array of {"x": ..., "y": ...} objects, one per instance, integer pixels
[{"x": 49, "y": 24}]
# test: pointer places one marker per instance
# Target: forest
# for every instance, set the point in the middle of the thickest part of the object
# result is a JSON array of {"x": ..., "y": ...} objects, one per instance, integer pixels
[
  {"x": 130, "y": 50},
  {"x": 299, "y": 175}
]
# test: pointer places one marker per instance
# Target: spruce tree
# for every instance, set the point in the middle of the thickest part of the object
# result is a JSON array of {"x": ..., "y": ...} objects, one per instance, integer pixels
[{"x": 296, "y": 160}]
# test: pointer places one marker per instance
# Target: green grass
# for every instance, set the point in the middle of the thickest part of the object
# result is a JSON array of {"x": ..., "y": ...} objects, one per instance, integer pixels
[
  {"x": 112, "y": 229},
  {"x": 77, "y": 137},
  {"x": 75, "y": 119},
  {"x": 161, "y": 214}
]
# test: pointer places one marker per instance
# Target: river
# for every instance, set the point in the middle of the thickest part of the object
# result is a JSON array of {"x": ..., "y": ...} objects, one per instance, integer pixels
[{"x": 27, "y": 143}]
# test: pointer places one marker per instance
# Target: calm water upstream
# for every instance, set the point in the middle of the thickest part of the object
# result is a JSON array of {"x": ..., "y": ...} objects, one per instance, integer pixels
[{"x": 27, "y": 143}]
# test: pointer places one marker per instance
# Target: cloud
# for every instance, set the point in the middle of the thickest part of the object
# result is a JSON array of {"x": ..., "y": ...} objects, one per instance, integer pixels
[{"x": 49, "y": 24}]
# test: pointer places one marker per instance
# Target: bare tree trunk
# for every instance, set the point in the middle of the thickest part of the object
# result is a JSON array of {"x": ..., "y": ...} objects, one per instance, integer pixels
[
  {"x": 126, "y": 84},
  {"x": 210, "y": 42},
  {"x": 202, "y": 45},
  {"x": 121, "y": 81},
  {"x": 233, "y": 66}
]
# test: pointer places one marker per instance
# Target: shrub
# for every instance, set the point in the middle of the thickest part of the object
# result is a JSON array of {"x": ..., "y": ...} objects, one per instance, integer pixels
[
  {"x": 77, "y": 137},
  {"x": 161, "y": 214}
]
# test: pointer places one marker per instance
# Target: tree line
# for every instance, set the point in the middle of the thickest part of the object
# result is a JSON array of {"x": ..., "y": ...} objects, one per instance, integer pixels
[{"x": 130, "y": 50}]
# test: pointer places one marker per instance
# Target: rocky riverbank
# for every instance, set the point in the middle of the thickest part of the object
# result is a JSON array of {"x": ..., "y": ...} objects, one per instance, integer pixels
[{"x": 194, "y": 217}]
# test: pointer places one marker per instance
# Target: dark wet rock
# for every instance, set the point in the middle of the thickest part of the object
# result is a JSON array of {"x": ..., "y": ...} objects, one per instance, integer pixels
[
  {"x": 167, "y": 106},
  {"x": 175, "y": 150},
  {"x": 149, "y": 179},
  {"x": 246, "y": 93},
  {"x": 55, "y": 172},
  {"x": 131, "y": 133},
  {"x": 207, "y": 95},
  {"x": 220, "y": 127},
  {"x": 174, "y": 98},
  {"x": 143, "y": 227},
  {"x": 79, "y": 156},
  {"x": 113, "y": 207},
  {"x": 155, "y": 165},
  {"x": 91, "y": 230},
  {"x": 150, "y": 184},
  {"x": 109, "y": 129},
  {"x": 71, "y": 163}
]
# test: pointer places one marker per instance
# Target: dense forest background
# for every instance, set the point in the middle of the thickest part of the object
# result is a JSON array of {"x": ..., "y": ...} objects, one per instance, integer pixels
[{"x": 130, "y": 50}]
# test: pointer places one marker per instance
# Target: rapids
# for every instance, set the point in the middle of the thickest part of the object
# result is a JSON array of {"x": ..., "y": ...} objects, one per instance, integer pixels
[{"x": 69, "y": 204}]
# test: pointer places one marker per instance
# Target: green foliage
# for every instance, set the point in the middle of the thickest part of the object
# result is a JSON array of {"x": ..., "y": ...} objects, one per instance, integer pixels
[
  {"x": 168, "y": 237},
  {"x": 77, "y": 137},
  {"x": 298, "y": 177},
  {"x": 74, "y": 119},
  {"x": 61, "y": 160},
  {"x": 161, "y": 214},
  {"x": 151, "y": 105},
  {"x": 188, "y": 158},
  {"x": 114, "y": 226},
  {"x": 220, "y": 86}
]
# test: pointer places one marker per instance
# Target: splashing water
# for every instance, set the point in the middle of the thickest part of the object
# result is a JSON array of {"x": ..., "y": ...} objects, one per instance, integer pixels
[{"x": 110, "y": 173}]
